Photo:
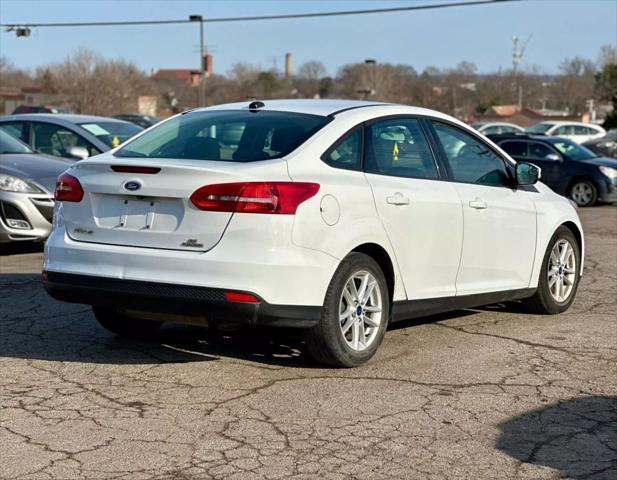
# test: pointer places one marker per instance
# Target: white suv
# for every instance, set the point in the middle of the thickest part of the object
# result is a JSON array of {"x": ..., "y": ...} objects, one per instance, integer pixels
[
  {"x": 336, "y": 217},
  {"x": 575, "y": 131}
]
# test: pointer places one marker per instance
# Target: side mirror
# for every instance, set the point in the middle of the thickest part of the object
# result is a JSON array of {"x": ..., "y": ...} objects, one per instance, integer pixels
[
  {"x": 553, "y": 157},
  {"x": 80, "y": 153},
  {"x": 527, "y": 174}
]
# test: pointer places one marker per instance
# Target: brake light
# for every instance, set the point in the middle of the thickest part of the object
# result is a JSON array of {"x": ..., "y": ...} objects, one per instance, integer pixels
[
  {"x": 68, "y": 189},
  {"x": 241, "y": 297},
  {"x": 254, "y": 197},
  {"x": 135, "y": 169}
]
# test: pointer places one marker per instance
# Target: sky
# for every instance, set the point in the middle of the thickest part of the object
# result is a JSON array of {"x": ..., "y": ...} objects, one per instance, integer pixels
[{"x": 441, "y": 38}]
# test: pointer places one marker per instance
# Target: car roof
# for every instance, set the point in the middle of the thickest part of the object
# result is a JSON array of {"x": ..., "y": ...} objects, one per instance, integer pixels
[
  {"x": 567, "y": 122},
  {"x": 354, "y": 108},
  {"x": 322, "y": 107},
  {"x": 497, "y": 123},
  {"x": 63, "y": 117}
]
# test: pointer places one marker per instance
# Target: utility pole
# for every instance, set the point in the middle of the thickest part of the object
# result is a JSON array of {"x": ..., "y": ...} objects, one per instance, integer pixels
[
  {"x": 517, "y": 56},
  {"x": 202, "y": 66}
]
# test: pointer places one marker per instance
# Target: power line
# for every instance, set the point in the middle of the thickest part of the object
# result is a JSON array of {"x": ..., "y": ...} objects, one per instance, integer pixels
[{"x": 14, "y": 26}]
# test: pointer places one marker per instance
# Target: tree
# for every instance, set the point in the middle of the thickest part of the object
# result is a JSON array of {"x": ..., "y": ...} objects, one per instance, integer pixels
[
  {"x": 606, "y": 89},
  {"x": 11, "y": 76},
  {"x": 608, "y": 56},
  {"x": 92, "y": 84},
  {"x": 574, "y": 86},
  {"x": 312, "y": 70}
]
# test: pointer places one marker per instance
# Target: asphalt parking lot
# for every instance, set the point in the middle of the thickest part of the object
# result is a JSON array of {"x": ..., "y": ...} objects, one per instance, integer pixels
[{"x": 487, "y": 393}]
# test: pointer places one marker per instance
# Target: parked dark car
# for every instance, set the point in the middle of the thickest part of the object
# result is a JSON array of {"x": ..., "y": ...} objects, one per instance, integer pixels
[
  {"x": 605, "y": 146},
  {"x": 144, "y": 121},
  {"x": 39, "y": 109},
  {"x": 567, "y": 167},
  {"x": 68, "y": 136}
]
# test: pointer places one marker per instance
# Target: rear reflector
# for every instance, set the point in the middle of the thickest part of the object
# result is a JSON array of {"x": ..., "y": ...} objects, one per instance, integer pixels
[
  {"x": 135, "y": 169},
  {"x": 254, "y": 197},
  {"x": 241, "y": 297},
  {"x": 68, "y": 189}
]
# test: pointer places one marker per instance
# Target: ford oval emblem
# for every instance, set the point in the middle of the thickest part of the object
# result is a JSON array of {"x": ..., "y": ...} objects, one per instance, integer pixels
[{"x": 132, "y": 186}]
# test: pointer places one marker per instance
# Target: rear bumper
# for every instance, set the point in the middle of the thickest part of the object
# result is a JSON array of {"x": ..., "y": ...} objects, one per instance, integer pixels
[{"x": 155, "y": 297}]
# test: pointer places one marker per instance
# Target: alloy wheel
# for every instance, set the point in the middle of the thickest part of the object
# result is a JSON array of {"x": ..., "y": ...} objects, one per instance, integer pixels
[
  {"x": 360, "y": 310},
  {"x": 561, "y": 270}
]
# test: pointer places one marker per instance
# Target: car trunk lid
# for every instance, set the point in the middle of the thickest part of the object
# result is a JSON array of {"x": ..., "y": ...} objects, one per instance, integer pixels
[{"x": 152, "y": 209}]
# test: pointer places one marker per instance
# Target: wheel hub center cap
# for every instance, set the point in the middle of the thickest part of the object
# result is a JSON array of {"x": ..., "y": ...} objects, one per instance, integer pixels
[{"x": 359, "y": 310}]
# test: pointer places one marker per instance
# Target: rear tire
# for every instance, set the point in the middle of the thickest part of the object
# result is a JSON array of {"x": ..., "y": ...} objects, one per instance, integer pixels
[
  {"x": 584, "y": 193},
  {"x": 354, "y": 316},
  {"x": 559, "y": 276},
  {"x": 113, "y": 321}
]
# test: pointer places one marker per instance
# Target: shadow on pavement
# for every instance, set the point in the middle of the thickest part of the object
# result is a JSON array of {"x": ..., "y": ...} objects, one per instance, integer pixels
[
  {"x": 577, "y": 437},
  {"x": 35, "y": 326}
]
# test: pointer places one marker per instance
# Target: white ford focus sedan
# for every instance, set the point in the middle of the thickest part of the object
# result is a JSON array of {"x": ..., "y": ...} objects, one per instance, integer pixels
[{"x": 335, "y": 217}]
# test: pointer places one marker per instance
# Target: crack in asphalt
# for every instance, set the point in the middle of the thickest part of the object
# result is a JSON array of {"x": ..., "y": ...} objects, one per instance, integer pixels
[{"x": 491, "y": 393}]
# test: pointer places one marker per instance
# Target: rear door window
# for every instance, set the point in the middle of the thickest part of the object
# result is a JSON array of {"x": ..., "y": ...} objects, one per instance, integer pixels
[
  {"x": 226, "y": 135},
  {"x": 398, "y": 147}
]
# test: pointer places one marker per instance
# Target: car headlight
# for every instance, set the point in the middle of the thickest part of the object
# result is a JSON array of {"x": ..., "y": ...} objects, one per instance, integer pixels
[
  {"x": 8, "y": 183},
  {"x": 609, "y": 172}
]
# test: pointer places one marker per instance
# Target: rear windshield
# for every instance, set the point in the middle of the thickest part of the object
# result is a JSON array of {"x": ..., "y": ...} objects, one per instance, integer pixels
[
  {"x": 231, "y": 136},
  {"x": 112, "y": 133}
]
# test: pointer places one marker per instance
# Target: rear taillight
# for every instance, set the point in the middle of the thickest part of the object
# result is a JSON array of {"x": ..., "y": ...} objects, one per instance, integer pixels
[
  {"x": 254, "y": 197},
  {"x": 68, "y": 189}
]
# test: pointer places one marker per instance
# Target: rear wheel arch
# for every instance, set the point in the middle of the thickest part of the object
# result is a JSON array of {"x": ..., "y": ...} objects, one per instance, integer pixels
[{"x": 382, "y": 257}]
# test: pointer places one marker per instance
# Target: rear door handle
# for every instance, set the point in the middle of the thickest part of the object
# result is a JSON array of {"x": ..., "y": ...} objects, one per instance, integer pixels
[
  {"x": 397, "y": 199},
  {"x": 478, "y": 204}
]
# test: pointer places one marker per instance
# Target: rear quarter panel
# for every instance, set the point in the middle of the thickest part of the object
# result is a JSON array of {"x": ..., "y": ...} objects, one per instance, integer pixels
[{"x": 356, "y": 222}]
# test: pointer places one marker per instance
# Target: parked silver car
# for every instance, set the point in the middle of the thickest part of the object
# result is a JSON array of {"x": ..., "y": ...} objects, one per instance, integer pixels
[
  {"x": 67, "y": 135},
  {"x": 27, "y": 182}
]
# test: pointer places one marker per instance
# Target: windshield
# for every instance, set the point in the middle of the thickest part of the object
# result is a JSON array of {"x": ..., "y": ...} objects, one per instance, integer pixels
[
  {"x": 9, "y": 144},
  {"x": 573, "y": 150},
  {"x": 231, "y": 136},
  {"x": 112, "y": 133},
  {"x": 539, "y": 128}
]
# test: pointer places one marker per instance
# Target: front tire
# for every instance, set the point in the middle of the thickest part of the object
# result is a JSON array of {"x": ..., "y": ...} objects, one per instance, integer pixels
[
  {"x": 584, "y": 193},
  {"x": 354, "y": 316},
  {"x": 559, "y": 276},
  {"x": 115, "y": 322}
]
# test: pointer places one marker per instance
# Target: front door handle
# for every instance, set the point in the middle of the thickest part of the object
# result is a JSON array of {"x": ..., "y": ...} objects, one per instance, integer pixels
[
  {"x": 397, "y": 199},
  {"x": 478, "y": 204}
]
